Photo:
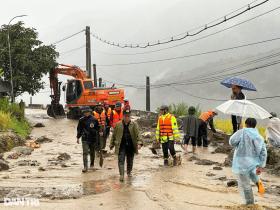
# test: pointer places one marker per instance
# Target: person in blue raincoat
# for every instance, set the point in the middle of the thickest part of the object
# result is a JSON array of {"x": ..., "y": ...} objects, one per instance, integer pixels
[{"x": 249, "y": 159}]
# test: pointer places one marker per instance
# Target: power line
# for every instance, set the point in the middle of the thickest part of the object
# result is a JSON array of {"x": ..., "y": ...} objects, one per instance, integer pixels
[
  {"x": 72, "y": 50},
  {"x": 224, "y": 19},
  {"x": 194, "y": 40},
  {"x": 215, "y": 99},
  {"x": 192, "y": 55},
  {"x": 205, "y": 76},
  {"x": 67, "y": 37}
]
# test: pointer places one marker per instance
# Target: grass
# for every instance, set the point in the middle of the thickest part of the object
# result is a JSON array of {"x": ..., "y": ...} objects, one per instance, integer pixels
[
  {"x": 12, "y": 118},
  {"x": 226, "y": 126}
]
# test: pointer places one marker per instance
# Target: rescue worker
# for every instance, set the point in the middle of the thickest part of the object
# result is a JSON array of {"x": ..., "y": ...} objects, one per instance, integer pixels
[
  {"x": 204, "y": 119},
  {"x": 166, "y": 133},
  {"x": 88, "y": 128},
  {"x": 127, "y": 142},
  {"x": 126, "y": 104},
  {"x": 117, "y": 114},
  {"x": 99, "y": 114},
  {"x": 108, "y": 113}
]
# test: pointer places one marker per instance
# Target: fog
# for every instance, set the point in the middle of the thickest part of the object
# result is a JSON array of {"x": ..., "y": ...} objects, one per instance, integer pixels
[{"x": 142, "y": 21}]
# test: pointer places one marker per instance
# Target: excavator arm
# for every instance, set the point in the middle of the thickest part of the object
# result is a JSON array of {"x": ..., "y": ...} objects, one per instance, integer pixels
[{"x": 55, "y": 109}]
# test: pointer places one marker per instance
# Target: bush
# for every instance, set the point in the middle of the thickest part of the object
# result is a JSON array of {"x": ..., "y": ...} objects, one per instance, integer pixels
[
  {"x": 5, "y": 120},
  {"x": 180, "y": 109},
  {"x": 13, "y": 108}
]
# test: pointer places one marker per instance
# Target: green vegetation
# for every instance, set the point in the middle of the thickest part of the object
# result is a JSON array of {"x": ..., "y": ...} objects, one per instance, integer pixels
[
  {"x": 226, "y": 126},
  {"x": 12, "y": 117},
  {"x": 181, "y": 109}
]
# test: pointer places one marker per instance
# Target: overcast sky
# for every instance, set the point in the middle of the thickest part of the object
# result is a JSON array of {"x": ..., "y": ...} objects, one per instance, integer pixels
[{"x": 140, "y": 21}]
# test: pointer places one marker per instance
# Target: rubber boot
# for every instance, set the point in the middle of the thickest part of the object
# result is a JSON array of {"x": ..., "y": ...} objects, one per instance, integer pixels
[
  {"x": 260, "y": 186},
  {"x": 175, "y": 160},
  {"x": 85, "y": 170},
  {"x": 121, "y": 170}
]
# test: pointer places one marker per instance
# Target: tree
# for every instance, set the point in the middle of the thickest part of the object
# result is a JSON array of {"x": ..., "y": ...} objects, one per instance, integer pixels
[{"x": 30, "y": 58}]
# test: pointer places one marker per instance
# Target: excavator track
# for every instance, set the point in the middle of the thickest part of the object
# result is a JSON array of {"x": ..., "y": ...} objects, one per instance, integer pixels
[{"x": 56, "y": 111}]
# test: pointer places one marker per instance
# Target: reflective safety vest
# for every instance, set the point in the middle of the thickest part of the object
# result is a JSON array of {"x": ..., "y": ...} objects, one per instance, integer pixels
[
  {"x": 100, "y": 117},
  {"x": 117, "y": 117},
  {"x": 167, "y": 128},
  {"x": 206, "y": 116},
  {"x": 108, "y": 112}
]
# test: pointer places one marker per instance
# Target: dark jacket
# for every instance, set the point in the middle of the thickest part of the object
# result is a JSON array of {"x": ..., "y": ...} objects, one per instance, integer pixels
[
  {"x": 118, "y": 134},
  {"x": 190, "y": 126},
  {"x": 88, "y": 129}
]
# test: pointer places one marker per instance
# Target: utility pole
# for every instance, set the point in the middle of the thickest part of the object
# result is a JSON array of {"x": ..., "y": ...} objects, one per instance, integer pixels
[
  {"x": 148, "y": 94},
  {"x": 88, "y": 52},
  {"x": 94, "y": 75}
]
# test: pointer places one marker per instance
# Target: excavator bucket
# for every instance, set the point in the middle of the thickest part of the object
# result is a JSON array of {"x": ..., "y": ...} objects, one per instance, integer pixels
[{"x": 55, "y": 111}]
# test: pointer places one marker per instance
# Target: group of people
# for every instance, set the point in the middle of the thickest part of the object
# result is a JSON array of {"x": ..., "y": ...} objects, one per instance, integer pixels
[
  {"x": 94, "y": 128},
  {"x": 250, "y": 148}
]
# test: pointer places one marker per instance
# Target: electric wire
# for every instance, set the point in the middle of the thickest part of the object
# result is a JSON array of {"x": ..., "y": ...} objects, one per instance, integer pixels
[
  {"x": 225, "y": 18},
  {"x": 67, "y": 37},
  {"x": 192, "y": 55}
]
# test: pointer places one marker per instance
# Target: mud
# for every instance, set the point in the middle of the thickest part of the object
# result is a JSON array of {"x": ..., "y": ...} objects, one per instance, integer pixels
[{"x": 188, "y": 186}]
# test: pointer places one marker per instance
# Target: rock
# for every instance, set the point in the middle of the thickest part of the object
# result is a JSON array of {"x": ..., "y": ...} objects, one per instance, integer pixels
[
  {"x": 205, "y": 162},
  {"x": 32, "y": 144},
  {"x": 4, "y": 165},
  {"x": 210, "y": 174},
  {"x": 232, "y": 183},
  {"x": 218, "y": 168},
  {"x": 1, "y": 156},
  {"x": 23, "y": 150},
  {"x": 193, "y": 158},
  {"x": 147, "y": 135},
  {"x": 9, "y": 140},
  {"x": 39, "y": 125},
  {"x": 63, "y": 156},
  {"x": 28, "y": 163},
  {"x": 14, "y": 156},
  {"x": 41, "y": 168},
  {"x": 225, "y": 149},
  {"x": 273, "y": 160},
  {"x": 221, "y": 178},
  {"x": 43, "y": 139},
  {"x": 63, "y": 165},
  {"x": 228, "y": 159}
]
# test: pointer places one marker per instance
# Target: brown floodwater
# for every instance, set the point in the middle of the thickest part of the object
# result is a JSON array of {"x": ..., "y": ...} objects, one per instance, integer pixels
[{"x": 61, "y": 185}]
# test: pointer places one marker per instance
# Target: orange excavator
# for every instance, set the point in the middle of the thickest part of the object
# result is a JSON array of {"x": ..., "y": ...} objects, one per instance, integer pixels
[{"x": 80, "y": 92}]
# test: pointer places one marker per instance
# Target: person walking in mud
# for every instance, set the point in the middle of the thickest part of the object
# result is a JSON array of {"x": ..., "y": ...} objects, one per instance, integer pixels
[
  {"x": 88, "y": 128},
  {"x": 190, "y": 128},
  {"x": 167, "y": 133},
  {"x": 126, "y": 141},
  {"x": 249, "y": 159}
]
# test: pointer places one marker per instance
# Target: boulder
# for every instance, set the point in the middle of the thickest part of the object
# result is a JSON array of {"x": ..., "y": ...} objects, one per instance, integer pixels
[
  {"x": 39, "y": 125},
  {"x": 43, "y": 139},
  {"x": 23, "y": 150},
  {"x": 232, "y": 183},
  {"x": 28, "y": 163},
  {"x": 147, "y": 135},
  {"x": 63, "y": 156},
  {"x": 217, "y": 168},
  {"x": 205, "y": 162},
  {"x": 4, "y": 165}
]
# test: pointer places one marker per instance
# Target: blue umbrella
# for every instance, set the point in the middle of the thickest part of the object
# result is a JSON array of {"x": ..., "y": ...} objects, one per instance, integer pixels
[{"x": 244, "y": 83}]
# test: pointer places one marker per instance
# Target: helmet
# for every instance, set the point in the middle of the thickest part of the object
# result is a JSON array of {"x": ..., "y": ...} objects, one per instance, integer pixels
[
  {"x": 118, "y": 105},
  {"x": 273, "y": 114},
  {"x": 125, "y": 100},
  {"x": 86, "y": 109},
  {"x": 164, "y": 107},
  {"x": 191, "y": 110}
]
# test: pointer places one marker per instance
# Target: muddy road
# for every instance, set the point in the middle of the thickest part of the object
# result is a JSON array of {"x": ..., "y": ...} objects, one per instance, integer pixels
[{"x": 56, "y": 179}]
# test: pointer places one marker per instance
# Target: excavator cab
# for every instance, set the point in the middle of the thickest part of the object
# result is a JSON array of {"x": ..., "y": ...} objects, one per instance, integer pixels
[{"x": 80, "y": 92}]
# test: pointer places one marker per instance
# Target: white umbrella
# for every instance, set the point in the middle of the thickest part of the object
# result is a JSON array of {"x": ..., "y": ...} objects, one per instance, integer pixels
[{"x": 243, "y": 108}]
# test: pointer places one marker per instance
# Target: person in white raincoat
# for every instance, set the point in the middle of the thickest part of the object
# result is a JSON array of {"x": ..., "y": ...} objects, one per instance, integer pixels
[
  {"x": 249, "y": 158},
  {"x": 273, "y": 130}
]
